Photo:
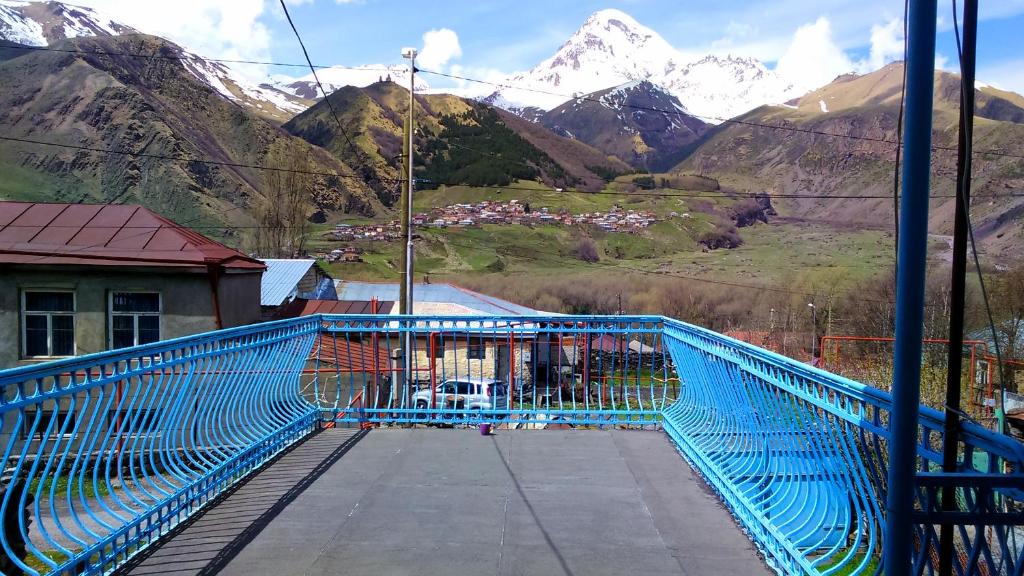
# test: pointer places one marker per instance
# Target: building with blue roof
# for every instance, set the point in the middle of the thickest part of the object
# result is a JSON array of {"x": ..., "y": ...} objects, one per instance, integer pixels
[
  {"x": 438, "y": 299},
  {"x": 288, "y": 279}
]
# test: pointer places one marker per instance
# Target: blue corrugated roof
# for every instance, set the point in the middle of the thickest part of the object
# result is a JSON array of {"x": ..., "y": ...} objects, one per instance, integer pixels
[
  {"x": 281, "y": 280},
  {"x": 443, "y": 293}
]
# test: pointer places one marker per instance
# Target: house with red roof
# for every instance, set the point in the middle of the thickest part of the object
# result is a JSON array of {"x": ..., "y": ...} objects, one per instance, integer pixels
[{"x": 81, "y": 278}]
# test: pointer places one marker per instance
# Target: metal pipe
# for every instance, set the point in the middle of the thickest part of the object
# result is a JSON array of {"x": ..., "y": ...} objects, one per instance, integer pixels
[{"x": 897, "y": 554}]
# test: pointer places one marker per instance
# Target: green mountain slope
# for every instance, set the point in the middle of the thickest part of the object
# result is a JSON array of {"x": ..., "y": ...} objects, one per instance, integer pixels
[
  {"x": 860, "y": 110},
  {"x": 457, "y": 141},
  {"x": 153, "y": 106}
]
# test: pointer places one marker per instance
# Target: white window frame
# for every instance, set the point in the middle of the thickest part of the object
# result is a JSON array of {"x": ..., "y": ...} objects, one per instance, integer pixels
[
  {"x": 135, "y": 323},
  {"x": 49, "y": 322}
]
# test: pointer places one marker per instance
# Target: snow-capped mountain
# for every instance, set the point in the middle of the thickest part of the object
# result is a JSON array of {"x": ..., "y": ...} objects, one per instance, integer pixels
[
  {"x": 611, "y": 48},
  {"x": 43, "y": 23},
  {"x": 35, "y": 23}
]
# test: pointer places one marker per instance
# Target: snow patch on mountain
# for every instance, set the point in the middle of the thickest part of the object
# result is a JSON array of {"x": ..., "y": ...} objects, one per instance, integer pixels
[
  {"x": 17, "y": 28},
  {"x": 43, "y": 23}
]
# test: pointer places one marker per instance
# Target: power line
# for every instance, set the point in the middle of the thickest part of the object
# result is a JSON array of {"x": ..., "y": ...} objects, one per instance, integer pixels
[
  {"x": 740, "y": 285},
  {"x": 186, "y": 56},
  {"x": 783, "y": 127},
  {"x": 176, "y": 158},
  {"x": 648, "y": 192},
  {"x": 368, "y": 173},
  {"x": 726, "y": 194},
  {"x": 314, "y": 67},
  {"x": 969, "y": 144},
  {"x": 899, "y": 137}
]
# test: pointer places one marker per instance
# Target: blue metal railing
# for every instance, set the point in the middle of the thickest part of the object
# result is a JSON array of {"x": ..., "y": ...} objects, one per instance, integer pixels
[
  {"x": 105, "y": 453},
  {"x": 573, "y": 370},
  {"x": 801, "y": 458}
]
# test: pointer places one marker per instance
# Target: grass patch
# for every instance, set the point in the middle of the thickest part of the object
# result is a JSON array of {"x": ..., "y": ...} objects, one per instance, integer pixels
[{"x": 60, "y": 485}]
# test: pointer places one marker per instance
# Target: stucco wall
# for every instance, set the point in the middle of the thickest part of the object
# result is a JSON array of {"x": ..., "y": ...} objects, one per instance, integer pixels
[{"x": 187, "y": 305}]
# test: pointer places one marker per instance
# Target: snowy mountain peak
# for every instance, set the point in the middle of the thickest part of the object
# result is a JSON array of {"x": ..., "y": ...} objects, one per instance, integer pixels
[
  {"x": 43, "y": 23},
  {"x": 35, "y": 23},
  {"x": 617, "y": 26},
  {"x": 611, "y": 48}
]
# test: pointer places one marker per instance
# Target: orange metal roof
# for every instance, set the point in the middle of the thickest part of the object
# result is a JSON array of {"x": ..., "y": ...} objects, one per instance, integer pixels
[{"x": 106, "y": 235}]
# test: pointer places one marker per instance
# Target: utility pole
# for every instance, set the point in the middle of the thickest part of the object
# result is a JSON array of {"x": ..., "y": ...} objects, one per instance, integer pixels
[
  {"x": 405, "y": 306},
  {"x": 405, "y": 291},
  {"x": 954, "y": 358}
]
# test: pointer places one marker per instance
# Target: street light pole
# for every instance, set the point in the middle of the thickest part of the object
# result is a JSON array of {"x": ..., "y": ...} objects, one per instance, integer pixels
[{"x": 405, "y": 305}]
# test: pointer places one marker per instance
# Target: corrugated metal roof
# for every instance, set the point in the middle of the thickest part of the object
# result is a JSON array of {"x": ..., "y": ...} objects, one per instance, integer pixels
[
  {"x": 281, "y": 280},
  {"x": 348, "y": 355},
  {"x": 106, "y": 235},
  {"x": 482, "y": 304},
  {"x": 300, "y": 307}
]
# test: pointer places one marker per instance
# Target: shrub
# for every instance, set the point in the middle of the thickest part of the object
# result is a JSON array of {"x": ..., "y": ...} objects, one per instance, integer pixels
[
  {"x": 721, "y": 237},
  {"x": 586, "y": 250}
]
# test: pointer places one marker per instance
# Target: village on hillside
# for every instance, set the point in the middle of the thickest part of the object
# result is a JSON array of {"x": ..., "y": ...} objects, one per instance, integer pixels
[{"x": 510, "y": 213}]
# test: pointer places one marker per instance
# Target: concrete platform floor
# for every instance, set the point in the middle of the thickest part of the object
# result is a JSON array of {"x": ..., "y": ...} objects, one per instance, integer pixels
[{"x": 451, "y": 502}]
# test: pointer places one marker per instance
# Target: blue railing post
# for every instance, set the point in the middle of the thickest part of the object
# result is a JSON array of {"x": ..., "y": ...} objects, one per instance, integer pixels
[{"x": 910, "y": 283}]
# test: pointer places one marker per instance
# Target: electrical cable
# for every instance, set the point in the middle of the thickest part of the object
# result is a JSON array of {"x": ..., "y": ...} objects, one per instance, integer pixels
[
  {"x": 970, "y": 231},
  {"x": 899, "y": 138},
  {"x": 715, "y": 119},
  {"x": 369, "y": 174},
  {"x": 987, "y": 152},
  {"x": 674, "y": 192},
  {"x": 185, "y": 56},
  {"x": 740, "y": 285},
  {"x": 176, "y": 158}
]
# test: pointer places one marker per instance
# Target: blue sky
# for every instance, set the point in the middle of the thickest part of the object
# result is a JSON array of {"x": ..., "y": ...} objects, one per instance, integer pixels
[{"x": 498, "y": 37}]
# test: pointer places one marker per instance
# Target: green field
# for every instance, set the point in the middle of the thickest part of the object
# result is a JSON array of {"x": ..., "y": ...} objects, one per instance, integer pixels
[{"x": 771, "y": 254}]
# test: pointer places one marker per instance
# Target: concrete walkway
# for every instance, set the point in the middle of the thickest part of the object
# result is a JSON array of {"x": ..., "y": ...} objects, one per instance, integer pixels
[{"x": 451, "y": 502}]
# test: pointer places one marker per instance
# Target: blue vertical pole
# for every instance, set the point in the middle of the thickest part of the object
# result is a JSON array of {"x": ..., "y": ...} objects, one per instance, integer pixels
[{"x": 897, "y": 551}]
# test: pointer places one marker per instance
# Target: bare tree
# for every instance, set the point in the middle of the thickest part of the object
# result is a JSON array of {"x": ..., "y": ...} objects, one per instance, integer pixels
[
  {"x": 283, "y": 215},
  {"x": 1008, "y": 310}
]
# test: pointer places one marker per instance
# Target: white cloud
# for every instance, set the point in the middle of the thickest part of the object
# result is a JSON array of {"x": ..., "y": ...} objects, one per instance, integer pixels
[
  {"x": 1005, "y": 75},
  {"x": 886, "y": 44},
  {"x": 229, "y": 29},
  {"x": 813, "y": 59},
  {"x": 439, "y": 47},
  {"x": 489, "y": 76}
]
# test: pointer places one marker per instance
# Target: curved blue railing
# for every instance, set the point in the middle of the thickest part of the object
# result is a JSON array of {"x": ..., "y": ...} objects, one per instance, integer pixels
[
  {"x": 800, "y": 457},
  {"x": 103, "y": 454}
]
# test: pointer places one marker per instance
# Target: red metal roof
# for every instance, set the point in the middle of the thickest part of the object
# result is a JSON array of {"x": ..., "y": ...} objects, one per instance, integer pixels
[
  {"x": 349, "y": 355},
  {"x": 300, "y": 307},
  {"x": 106, "y": 235}
]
